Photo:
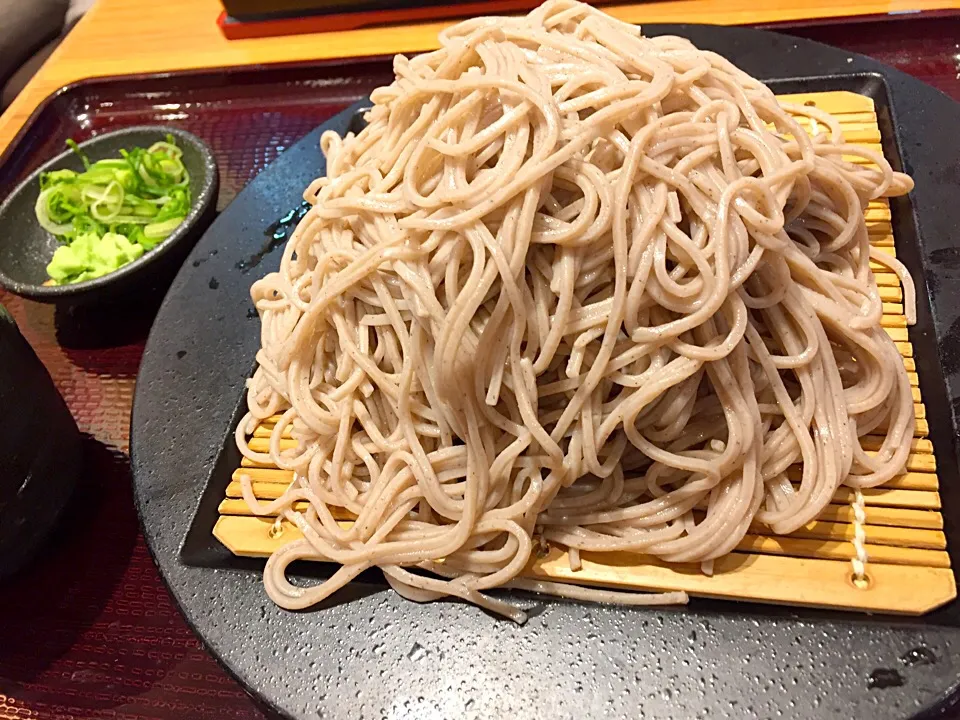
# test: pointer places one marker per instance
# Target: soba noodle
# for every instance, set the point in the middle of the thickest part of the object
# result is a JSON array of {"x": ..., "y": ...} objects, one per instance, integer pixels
[{"x": 571, "y": 285}]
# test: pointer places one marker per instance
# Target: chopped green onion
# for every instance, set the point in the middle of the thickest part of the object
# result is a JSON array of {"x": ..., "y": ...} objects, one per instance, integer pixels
[{"x": 113, "y": 211}]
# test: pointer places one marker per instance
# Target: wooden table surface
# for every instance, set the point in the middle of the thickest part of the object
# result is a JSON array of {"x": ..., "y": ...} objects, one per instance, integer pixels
[{"x": 121, "y": 37}]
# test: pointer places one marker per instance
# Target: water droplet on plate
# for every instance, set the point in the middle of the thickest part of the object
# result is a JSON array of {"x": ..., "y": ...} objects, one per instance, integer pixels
[
  {"x": 919, "y": 655},
  {"x": 882, "y": 678},
  {"x": 417, "y": 652}
]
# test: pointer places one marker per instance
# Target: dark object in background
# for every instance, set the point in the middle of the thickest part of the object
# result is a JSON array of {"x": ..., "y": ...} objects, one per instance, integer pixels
[
  {"x": 274, "y": 9},
  {"x": 40, "y": 452},
  {"x": 26, "y": 248},
  {"x": 265, "y": 18}
]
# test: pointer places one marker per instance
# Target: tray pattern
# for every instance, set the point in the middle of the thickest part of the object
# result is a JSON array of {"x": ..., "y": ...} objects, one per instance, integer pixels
[{"x": 898, "y": 525}]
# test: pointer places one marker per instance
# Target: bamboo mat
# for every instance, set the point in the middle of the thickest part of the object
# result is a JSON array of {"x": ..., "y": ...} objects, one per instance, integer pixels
[{"x": 899, "y": 525}]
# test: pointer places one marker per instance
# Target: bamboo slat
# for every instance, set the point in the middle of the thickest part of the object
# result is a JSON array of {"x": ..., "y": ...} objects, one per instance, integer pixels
[{"x": 908, "y": 569}]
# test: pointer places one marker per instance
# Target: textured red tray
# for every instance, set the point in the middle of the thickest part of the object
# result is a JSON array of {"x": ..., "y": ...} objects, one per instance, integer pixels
[{"x": 89, "y": 631}]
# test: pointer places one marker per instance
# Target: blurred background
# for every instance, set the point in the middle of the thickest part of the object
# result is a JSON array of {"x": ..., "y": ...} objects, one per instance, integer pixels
[{"x": 30, "y": 31}]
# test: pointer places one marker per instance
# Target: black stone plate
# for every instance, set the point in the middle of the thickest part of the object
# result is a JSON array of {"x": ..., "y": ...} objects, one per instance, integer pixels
[{"x": 369, "y": 654}]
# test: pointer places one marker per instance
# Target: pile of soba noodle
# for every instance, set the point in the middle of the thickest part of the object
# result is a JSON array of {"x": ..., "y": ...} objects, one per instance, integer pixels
[{"x": 578, "y": 286}]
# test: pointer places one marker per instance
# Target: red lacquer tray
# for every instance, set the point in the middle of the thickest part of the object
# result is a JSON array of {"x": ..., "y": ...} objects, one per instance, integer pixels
[{"x": 89, "y": 630}]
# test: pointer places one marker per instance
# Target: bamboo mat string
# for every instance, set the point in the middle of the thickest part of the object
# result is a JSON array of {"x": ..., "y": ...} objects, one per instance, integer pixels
[{"x": 859, "y": 560}]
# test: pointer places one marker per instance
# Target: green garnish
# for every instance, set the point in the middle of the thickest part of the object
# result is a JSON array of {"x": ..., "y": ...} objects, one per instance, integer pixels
[{"x": 114, "y": 211}]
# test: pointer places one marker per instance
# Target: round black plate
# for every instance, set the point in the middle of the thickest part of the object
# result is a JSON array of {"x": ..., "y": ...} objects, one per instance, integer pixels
[{"x": 373, "y": 655}]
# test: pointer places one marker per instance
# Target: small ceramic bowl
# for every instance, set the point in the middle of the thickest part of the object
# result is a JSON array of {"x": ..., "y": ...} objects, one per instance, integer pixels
[{"x": 26, "y": 248}]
